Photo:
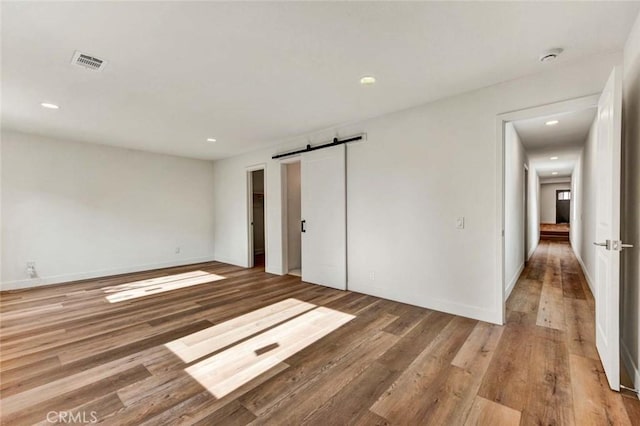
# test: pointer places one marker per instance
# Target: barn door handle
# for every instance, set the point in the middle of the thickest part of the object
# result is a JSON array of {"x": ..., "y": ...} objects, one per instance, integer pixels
[{"x": 303, "y": 228}]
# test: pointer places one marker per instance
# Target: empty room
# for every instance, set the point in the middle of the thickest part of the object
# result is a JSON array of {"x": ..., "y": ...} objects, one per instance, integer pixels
[{"x": 284, "y": 213}]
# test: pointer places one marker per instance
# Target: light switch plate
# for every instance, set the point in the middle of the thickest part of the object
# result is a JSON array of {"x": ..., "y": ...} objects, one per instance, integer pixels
[{"x": 460, "y": 222}]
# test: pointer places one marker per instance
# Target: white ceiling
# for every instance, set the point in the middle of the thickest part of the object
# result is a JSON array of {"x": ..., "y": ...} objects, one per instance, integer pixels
[
  {"x": 564, "y": 140},
  {"x": 254, "y": 74}
]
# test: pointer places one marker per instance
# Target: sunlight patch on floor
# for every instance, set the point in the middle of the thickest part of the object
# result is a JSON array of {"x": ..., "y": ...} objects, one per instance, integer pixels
[
  {"x": 136, "y": 289},
  {"x": 212, "y": 339},
  {"x": 226, "y": 371}
]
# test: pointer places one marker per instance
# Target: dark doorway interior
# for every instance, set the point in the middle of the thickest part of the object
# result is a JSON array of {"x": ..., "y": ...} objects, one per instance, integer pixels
[
  {"x": 563, "y": 206},
  {"x": 257, "y": 177}
]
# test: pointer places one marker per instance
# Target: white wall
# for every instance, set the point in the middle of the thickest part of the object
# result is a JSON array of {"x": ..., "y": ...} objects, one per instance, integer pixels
[
  {"x": 418, "y": 171},
  {"x": 577, "y": 211},
  {"x": 630, "y": 293},
  {"x": 514, "y": 226},
  {"x": 534, "y": 212},
  {"x": 583, "y": 229},
  {"x": 84, "y": 210},
  {"x": 294, "y": 215},
  {"x": 548, "y": 200}
]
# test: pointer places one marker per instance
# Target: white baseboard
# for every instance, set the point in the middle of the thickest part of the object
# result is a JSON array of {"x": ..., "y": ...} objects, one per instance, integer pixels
[
  {"x": 584, "y": 270},
  {"x": 632, "y": 368},
  {"x": 493, "y": 316},
  {"x": 58, "y": 279},
  {"x": 230, "y": 261},
  {"x": 512, "y": 283},
  {"x": 533, "y": 250}
]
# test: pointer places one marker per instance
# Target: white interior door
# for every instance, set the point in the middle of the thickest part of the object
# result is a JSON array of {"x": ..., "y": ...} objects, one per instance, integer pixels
[
  {"x": 608, "y": 244},
  {"x": 324, "y": 236}
]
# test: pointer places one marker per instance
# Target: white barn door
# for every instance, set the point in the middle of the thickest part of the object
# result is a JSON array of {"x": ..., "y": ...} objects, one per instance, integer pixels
[{"x": 324, "y": 218}]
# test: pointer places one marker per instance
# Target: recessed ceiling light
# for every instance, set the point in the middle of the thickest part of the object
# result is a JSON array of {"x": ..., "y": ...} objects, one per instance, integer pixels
[
  {"x": 49, "y": 105},
  {"x": 553, "y": 158},
  {"x": 367, "y": 80},
  {"x": 211, "y": 140},
  {"x": 551, "y": 122},
  {"x": 554, "y": 173}
]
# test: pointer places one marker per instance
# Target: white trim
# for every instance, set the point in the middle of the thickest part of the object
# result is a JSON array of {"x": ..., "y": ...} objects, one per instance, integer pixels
[
  {"x": 533, "y": 250},
  {"x": 512, "y": 282},
  {"x": 576, "y": 104},
  {"x": 284, "y": 214},
  {"x": 584, "y": 270},
  {"x": 447, "y": 306},
  {"x": 230, "y": 261},
  {"x": 284, "y": 206},
  {"x": 253, "y": 168},
  {"x": 292, "y": 159},
  {"x": 632, "y": 368},
  {"x": 548, "y": 180},
  {"x": 59, "y": 279},
  {"x": 501, "y": 301}
]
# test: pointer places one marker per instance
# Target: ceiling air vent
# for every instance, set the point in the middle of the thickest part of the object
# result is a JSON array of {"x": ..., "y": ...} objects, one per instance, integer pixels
[{"x": 87, "y": 61}]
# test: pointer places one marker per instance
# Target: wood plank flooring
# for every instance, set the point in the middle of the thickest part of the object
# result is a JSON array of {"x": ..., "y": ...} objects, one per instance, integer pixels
[{"x": 279, "y": 351}]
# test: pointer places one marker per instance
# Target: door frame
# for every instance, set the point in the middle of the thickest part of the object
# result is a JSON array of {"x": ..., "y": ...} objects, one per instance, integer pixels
[
  {"x": 249, "y": 185},
  {"x": 526, "y": 213},
  {"x": 575, "y": 104},
  {"x": 284, "y": 162}
]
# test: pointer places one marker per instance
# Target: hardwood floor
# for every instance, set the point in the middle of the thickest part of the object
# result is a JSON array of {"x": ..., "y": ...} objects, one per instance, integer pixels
[{"x": 279, "y": 351}]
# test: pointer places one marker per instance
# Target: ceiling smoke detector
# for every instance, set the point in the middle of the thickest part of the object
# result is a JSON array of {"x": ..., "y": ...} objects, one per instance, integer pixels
[
  {"x": 550, "y": 55},
  {"x": 87, "y": 61}
]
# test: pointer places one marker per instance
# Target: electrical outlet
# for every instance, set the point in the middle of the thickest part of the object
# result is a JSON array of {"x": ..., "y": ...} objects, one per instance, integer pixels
[
  {"x": 177, "y": 250},
  {"x": 31, "y": 269},
  {"x": 460, "y": 222}
]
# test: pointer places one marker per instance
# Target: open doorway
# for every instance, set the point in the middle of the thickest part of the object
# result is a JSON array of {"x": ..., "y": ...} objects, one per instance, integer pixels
[
  {"x": 575, "y": 143},
  {"x": 555, "y": 207},
  {"x": 543, "y": 150},
  {"x": 563, "y": 206},
  {"x": 293, "y": 216},
  {"x": 257, "y": 240}
]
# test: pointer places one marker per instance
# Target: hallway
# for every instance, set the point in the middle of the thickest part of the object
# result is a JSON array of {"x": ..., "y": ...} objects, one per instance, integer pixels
[{"x": 549, "y": 365}]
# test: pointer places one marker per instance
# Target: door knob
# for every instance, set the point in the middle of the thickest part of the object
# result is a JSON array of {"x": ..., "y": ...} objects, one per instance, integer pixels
[{"x": 613, "y": 245}]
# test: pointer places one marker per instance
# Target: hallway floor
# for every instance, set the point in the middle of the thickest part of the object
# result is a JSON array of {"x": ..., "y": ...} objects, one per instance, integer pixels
[{"x": 548, "y": 349}]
